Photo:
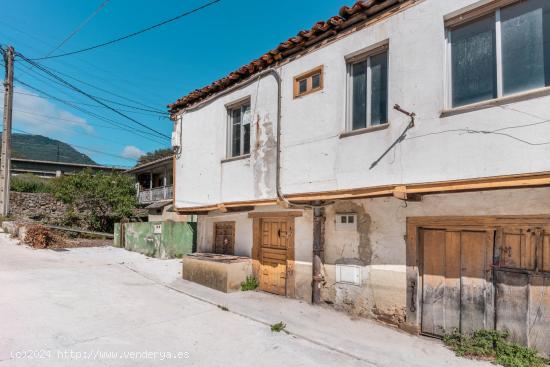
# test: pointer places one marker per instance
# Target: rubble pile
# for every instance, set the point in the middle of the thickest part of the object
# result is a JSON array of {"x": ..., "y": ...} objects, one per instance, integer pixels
[{"x": 41, "y": 237}]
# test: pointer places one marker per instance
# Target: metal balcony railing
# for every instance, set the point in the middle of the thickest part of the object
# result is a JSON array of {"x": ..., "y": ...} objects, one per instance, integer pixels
[{"x": 156, "y": 194}]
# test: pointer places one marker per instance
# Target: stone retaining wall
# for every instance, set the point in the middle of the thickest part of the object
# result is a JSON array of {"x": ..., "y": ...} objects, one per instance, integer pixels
[{"x": 41, "y": 207}]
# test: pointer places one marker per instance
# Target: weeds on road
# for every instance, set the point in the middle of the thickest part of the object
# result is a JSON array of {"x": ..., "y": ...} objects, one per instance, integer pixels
[
  {"x": 278, "y": 327},
  {"x": 492, "y": 345},
  {"x": 223, "y": 308},
  {"x": 250, "y": 284}
]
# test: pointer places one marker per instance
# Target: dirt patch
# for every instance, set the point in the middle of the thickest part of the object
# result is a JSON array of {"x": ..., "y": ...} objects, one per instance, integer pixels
[{"x": 87, "y": 242}]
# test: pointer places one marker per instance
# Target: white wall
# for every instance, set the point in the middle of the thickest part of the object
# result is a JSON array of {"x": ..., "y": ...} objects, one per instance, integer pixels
[
  {"x": 378, "y": 245},
  {"x": 314, "y": 158},
  {"x": 383, "y": 288}
]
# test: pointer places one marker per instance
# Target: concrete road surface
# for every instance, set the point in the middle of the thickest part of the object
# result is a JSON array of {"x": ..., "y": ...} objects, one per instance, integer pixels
[{"x": 110, "y": 307}]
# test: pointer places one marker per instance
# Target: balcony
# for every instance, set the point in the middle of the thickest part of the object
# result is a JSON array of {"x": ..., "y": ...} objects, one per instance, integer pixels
[{"x": 155, "y": 194}]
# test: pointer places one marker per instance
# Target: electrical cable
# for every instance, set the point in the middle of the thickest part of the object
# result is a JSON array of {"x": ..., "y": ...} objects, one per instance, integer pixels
[
  {"x": 75, "y": 146},
  {"x": 79, "y": 27},
  {"x": 76, "y": 89},
  {"x": 133, "y": 34},
  {"x": 149, "y": 109},
  {"x": 119, "y": 125}
]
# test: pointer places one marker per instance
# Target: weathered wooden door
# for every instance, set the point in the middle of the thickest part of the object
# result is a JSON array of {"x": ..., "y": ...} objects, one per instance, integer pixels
[
  {"x": 522, "y": 275},
  {"x": 275, "y": 244},
  {"x": 224, "y": 238},
  {"x": 457, "y": 293}
]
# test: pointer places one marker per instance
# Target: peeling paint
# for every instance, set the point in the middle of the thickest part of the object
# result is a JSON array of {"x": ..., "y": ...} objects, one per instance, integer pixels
[
  {"x": 263, "y": 157},
  {"x": 360, "y": 247}
]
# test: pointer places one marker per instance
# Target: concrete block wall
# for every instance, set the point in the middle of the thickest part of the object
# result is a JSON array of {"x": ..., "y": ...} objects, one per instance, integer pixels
[{"x": 174, "y": 240}]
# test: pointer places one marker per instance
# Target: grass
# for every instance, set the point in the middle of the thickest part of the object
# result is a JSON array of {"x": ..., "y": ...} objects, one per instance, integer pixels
[
  {"x": 493, "y": 345},
  {"x": 30, "y": 183},
  {"x": 250, "y": 284},
  {"x": 278, "y": 327}
]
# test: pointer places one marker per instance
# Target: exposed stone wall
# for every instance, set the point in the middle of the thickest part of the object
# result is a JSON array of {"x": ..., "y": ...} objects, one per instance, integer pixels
[
  {"x": 41, "y": 207},
  {"x": 44, "y": 208}
]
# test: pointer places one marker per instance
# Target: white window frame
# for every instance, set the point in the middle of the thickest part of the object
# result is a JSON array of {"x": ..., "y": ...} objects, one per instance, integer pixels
[
  {"x": 350, "y": 61},
  {"x": 241, "y": 104},
  {"x": 468, "y": 18}
]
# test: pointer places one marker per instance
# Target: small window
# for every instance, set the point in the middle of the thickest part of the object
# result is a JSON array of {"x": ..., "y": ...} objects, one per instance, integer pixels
[
  {"x": 346, "y": 222},
  {"x": 239, "y": 130},
  {"x": 309, "y": 82},
  {"x": 500, "y": 54},
  {"x": 368, "y": 91}
]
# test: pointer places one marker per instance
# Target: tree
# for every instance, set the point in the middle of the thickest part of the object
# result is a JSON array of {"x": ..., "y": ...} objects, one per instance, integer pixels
[{"x": 155, "y": 155}]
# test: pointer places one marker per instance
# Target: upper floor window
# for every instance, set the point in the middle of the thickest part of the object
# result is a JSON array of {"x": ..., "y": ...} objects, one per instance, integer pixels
[
  {"x": 368, "y": 90},
  {"x": 309, "y": 82},
  {"x": 504, "y": 52},
  {"x": 239, "y": 129}
]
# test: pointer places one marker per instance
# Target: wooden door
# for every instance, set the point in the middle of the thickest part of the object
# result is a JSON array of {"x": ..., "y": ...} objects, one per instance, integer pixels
[
  {"x": 522, "y": 275},
  {"x": 274, "y": 252},
  {"x": 456, "y": 280},
  {"x": 224, "y": 238}
]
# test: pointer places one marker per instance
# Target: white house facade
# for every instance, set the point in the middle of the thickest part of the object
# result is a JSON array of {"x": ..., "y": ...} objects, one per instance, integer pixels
[{"x": 392, "y": 161}]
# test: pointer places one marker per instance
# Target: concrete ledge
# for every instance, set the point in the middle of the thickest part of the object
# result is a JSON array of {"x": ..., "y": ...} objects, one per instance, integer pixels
[{"x": 223, "y": 273}]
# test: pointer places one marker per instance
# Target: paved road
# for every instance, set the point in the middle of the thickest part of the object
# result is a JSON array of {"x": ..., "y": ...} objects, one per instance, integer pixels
[{"x": 107, "y": 306}]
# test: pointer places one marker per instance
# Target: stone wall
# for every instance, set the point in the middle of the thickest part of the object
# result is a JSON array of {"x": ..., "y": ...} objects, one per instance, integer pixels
[{"x": 41, "y": 207}]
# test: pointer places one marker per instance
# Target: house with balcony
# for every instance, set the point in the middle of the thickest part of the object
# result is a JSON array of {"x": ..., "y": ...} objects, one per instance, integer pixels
[
  {"x": 390, "y": 161},
  {"x": 154, "y": 188}
]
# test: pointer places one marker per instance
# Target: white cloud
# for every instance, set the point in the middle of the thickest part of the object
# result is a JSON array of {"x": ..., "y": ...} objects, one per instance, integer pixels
[
  {"x": 40, "y": 116},
  {"x": 132, "y": 152}
]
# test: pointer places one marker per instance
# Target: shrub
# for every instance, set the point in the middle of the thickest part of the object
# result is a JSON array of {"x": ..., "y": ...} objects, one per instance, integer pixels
[
  {"x": 30, "y": 183},
  {"x": 492, "y": 345},
  {"x": 249, "y": 284},
  {"x": 108, "y": 196},
  {"x": 278, "y": 327}
]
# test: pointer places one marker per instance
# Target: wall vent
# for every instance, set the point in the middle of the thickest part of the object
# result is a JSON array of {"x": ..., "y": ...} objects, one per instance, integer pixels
[{"x": 346, "y": 222}]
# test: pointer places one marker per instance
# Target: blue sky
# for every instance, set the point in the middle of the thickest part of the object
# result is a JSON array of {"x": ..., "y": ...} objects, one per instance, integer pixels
[{"x": 148, "y": 71}]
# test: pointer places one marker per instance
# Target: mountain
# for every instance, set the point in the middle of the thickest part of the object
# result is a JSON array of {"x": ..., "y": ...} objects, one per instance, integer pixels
[{"x": 45, "y": 149}]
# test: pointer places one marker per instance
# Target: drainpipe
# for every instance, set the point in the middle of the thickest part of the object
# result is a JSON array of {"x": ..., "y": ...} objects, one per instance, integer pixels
[
  {"x": 318, "y": 252},
  {"x": 317, "y": 206}
]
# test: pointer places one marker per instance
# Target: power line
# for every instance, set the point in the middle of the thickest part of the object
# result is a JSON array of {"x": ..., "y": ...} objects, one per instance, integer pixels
[
  {"x": 114, "y": 123},
  {"x": 71, "y": 86},
  {"x": 65, "y": 128},
  {"x": 80, "y": 69},
  {"x": 132, "y": 34},
  {"x": 79, "y": 28},
  {"x": 149, "y": 109},
  {"x": 93, "y": 105},
  {"x": 49, "y": 117},
  {"x": 75, "y": 146}
]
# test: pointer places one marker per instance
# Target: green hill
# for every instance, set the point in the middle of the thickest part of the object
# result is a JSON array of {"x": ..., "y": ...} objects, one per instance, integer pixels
[{"x": 45, "y": 149}]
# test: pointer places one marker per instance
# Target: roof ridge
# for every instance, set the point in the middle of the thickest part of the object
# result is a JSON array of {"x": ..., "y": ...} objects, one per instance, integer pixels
[{"x": 303, "y": 39}]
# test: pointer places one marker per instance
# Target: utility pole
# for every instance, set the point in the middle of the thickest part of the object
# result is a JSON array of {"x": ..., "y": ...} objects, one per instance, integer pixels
[{"x": 5, "y": 158}]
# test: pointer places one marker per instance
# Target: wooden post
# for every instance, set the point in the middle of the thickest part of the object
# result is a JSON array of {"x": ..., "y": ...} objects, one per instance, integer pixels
[{"x": 5, "y": 163}]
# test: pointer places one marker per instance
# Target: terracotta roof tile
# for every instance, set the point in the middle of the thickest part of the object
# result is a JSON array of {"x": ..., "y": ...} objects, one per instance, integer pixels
[{"x": 305, "y": 38}]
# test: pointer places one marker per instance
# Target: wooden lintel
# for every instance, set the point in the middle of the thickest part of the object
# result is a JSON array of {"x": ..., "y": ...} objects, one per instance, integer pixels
[
  {"x": 540, "y": 179},
  {"x": 238, "y": 209},
  {"x": 289, "y": 213}
]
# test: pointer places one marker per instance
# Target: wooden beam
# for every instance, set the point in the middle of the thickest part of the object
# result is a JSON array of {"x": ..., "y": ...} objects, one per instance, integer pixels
[
  {"x": 290, "y": 213},
  {"x": 539, "y": 179}
]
